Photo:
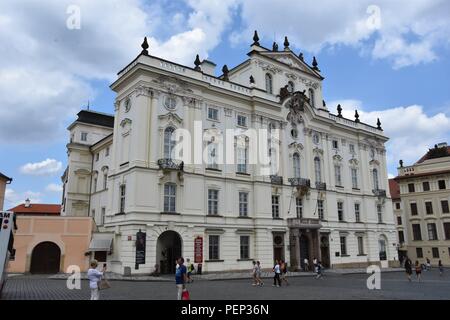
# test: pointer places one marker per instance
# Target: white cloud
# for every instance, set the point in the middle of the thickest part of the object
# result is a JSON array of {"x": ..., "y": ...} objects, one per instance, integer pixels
[
  {"x": 410, "y": 130},
  {"x": 46, "y": 69},
  {"x": 405, "y": 32},
  {"x": 14, "y": 198},
  {"x": 46, "y": 167},
  {"x": 53, "y": 187}
]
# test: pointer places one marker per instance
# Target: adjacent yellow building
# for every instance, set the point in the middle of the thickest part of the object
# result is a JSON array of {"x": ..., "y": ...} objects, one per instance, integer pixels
[{"x": 422, "y": 209}]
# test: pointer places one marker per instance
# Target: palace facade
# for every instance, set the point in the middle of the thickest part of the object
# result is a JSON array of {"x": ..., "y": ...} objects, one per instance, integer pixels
[{"x": 323, "y": 193}]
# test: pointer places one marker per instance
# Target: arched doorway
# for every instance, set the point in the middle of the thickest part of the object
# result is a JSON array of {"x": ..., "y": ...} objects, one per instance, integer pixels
[
  {"x": 45, "y": 258},
  {"x": 304, "y": 250},
  {"x": 168, "y": 249}
]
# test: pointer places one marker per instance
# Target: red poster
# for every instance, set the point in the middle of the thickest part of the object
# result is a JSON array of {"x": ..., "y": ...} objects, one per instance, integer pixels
[{"x": 198, "y": 250}]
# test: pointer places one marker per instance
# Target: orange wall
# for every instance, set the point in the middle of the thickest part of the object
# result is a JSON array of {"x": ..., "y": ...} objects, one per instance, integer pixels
[{"x": 71, "y": 234}]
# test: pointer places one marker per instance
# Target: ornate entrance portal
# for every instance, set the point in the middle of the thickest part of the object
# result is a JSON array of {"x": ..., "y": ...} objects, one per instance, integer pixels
[{"x": 304, "y": 241}]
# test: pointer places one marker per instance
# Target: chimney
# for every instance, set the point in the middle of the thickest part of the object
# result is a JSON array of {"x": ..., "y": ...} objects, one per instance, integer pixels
[
  {"x": 208, "y": 67},
  {"x": 27, "y": 203}
]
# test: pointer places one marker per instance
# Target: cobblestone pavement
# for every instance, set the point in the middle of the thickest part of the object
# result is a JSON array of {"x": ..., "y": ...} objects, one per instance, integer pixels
[{"x": 334, "y": 286}]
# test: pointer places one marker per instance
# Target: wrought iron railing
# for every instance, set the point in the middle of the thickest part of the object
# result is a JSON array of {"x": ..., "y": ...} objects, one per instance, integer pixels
[
  {"x": 300, "y": 182},
  {"x": 321, "y": 186},
  {"x": 276, "y": 180},
  {"x": 170, "y": 164},
  {"x": 379, "y": 193}
]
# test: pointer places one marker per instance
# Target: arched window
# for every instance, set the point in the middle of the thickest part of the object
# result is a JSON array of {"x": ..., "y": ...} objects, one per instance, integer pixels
[
  {"x": 170, "y": 193},
  {"x": 296, "y": 163},
  {"x": 376, "y": 185},
  {"x": 269, "y": 83},
  {"x": 311, "y": 98},
  {"x": 317, "y": 169},
  {"x": 169, "y": 143},
  {"x": 291, "y": 87}
]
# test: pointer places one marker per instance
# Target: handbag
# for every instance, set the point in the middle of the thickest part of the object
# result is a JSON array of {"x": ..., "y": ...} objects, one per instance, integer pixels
[
  {"x": 185, "y": 294},
  {"x": 103, "y": 284}
]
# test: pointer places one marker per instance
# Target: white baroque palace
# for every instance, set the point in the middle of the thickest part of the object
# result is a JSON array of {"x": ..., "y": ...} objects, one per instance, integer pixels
[{"x": 324, "y": 197}]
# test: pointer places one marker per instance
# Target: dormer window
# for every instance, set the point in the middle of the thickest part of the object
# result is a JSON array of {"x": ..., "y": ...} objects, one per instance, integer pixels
[
  {"x": 311, "y": 97},
  {"x": 291, "y": 87},
  {"x": 269, "y": 83}
]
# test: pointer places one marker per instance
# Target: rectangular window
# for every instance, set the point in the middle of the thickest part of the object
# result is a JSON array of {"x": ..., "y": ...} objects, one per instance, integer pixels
[
  {"x": 105, "y": 181},
  {"x": 242, "y": 160},
  {"x": 84, "y": 136},
  {"x": 241, "y": 121},
  {"x": 337, "y": 175},
  {"x": 444, "y": 205},
  {"x": 399, "y": 220},
  {"x": 212, "y": 156},
  {"x": 214, "y": 248},
  {"x": 397, "y": 206},
  {"x": 343, "y": 246},
  {"x": 354, "y": 178},
  {"x": 360, "y": 245},
  {"x": 441, "y": 184},
  {"x": 435, "y": 252},
  {"x": 351, "y": 148},
  {"x": 429, "y": 207},
  {"x": 340, "y": 210},
  {"x": 170, "y": 197},
  {"x": 122, "y": 198},
  {"x": 243, "y": 204},
  {"x": 432, "y": 232},
  {"x": 320, "y": 210},
  {"x": 417, "y": 235},
  {"x": 357, "y": 212},
  {"x": 245, "y": 247},
  {"x": 426, "y": 186},
  {"x": 102, "y": 218},
  {"x": 413, "y": 209},
  {"x": 419, "y": 252},
  {"x": 335, "y": 144},
  {"x": 275, "y": 206},
  {"x": 95, "y": 185},
  {"x": 100, "y": 256},
  {"x": 299, "y": 207},
  {"x": 213, "y": 202},
  {"x": 213, "y": 114},
  {"x": 380, "y": 213},
  {"x": 107, "y": 152},
  {"x": 411, "y": 188},
  {"x": 401, "y": 237},
  {"x": 447, "y": 230}
]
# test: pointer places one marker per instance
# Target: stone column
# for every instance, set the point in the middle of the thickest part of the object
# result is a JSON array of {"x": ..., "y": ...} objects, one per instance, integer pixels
[{"x": 295, "y": 248}]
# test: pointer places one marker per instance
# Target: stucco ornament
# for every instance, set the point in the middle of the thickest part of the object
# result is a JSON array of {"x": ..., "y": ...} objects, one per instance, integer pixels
[{"x": 296, "y": 106}]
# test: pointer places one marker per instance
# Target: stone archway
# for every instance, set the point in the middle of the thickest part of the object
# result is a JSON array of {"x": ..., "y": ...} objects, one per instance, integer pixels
[
  {"x": 168, "y": 249},
  {"x": 45, "y": 258}
]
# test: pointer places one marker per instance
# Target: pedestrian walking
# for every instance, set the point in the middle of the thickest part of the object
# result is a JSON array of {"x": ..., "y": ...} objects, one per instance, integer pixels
[
  {"x": 190, "y": 269},
  {"x": 418, "y": 270},
  {"x": 95, "y": 277},
  {"x": 284, "y": 270},
  {"x": 254, "y": 274},
  {"x": 428, "y": 265},
  {"x": 315, "y": 264},
  {"x": 306, "y": 265},
  {"x": 276, "y": 278},
  {"x": 258, "y": 274},
  {"x": 441, "y": 268},
  {"x": 180, "y": 277},
  {"x": 408, "y": 268},
  {"x": 319, "y": 270}
]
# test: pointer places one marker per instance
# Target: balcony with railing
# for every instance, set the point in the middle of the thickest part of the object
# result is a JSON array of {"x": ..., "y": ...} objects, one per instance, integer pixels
[
  {"x": 278, "y": 180},
  {"x": 170, "y": 164},
  {"x": 379, "y": 193},
  {"x": 304, "y": 223},
  {"x": 300, "y": 182},
  {"x": 321, "y": 186}
]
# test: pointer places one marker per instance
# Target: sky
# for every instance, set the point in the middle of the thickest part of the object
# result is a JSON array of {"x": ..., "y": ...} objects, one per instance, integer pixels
[{"x": 389, "y": 59}]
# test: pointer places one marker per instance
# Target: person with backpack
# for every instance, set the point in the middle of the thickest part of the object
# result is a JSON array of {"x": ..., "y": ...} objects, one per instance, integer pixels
[
  {"x": 284, "y": 272},
  {"x": 277, "y": 271},
  {"x": 190, "y": 269}
]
